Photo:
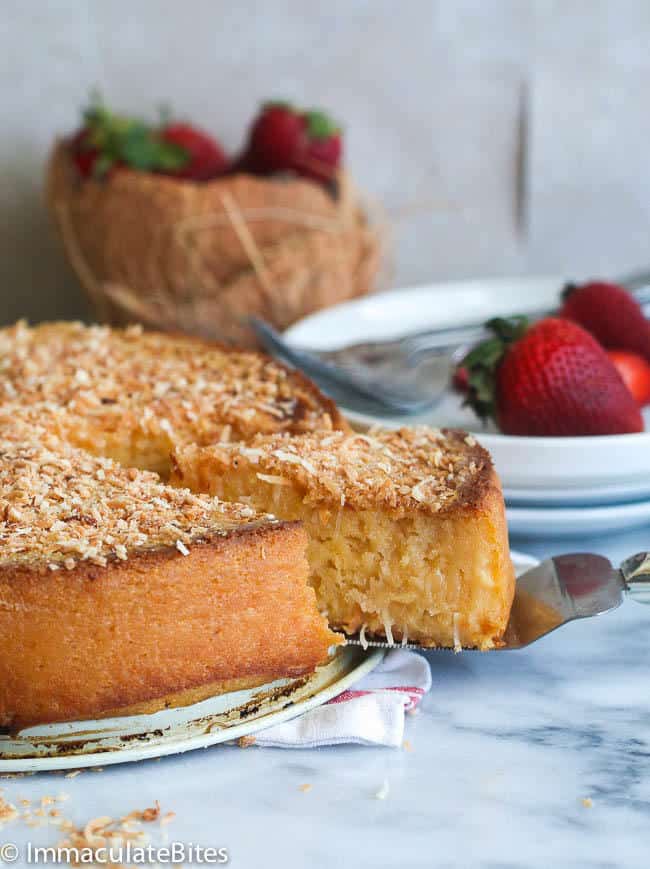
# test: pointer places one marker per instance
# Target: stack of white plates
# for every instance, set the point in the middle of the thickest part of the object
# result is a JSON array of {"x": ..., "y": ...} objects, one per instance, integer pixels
[
  {"x": 571, "y": 486},
  {"x": 553, "y": 486}
]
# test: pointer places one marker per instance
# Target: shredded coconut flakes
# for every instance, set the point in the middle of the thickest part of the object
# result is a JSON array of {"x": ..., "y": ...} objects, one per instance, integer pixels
[{"x": 400, "y": 470}]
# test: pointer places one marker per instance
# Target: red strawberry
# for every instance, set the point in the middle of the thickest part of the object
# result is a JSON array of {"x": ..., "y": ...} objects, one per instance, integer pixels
[
  {"x": 205, "y": 157},
  {"x": 285, "y": 139},
  {"x": 277, "y": 137},
  {"x": 610, "y": 313},
  {"x": 460, "y": 379},
  {"x": 635, "y": 372},
  {"x": 107, "y": 141},
  {"x": 552, "y": 379},
  {"x": 322, "y": 156},
  {"x": 84, "y": 153}
]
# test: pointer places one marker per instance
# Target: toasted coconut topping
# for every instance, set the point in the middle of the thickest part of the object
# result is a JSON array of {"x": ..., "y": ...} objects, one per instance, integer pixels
[
  {"x": 60, "y": 506},
  {"x": 8, "y": 811},
  {"x": 410, "y": 469},
  {"x": 189, "y": 390}
]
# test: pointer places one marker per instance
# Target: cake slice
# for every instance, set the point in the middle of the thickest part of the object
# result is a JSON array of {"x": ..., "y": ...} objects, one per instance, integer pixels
[
  {"x": 407, "y": 530},
  {"x": 120, "y": 593},
  {"x": 131, "y": 395}
]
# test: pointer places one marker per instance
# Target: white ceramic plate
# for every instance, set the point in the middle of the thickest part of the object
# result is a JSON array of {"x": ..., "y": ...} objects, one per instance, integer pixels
[
  {"x": 218, "y": 719},
  {"x": 77, "y": 744},
  {"x": 545, "y": 522},
  {"x": 529, "y": 467},
  {"x": 576, "y": 497}
]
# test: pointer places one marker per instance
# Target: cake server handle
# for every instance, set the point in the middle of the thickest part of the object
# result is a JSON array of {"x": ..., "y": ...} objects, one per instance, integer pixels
[{"x": 636, "y": 575}]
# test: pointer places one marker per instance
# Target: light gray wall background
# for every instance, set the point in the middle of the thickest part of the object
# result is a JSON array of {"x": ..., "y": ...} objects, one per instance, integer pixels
[{"x": 503, "y": 136}]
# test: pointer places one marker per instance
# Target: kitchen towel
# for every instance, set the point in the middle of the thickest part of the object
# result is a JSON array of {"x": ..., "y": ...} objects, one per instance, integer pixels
[
  {"x": 370, "y": 713},
  {"x": 373, "y": 711}
]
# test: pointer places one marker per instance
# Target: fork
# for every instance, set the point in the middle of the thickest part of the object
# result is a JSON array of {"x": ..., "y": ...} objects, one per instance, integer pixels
[
  {"x": 560, "y": 590},
  {"x": 400, "y": 376}
]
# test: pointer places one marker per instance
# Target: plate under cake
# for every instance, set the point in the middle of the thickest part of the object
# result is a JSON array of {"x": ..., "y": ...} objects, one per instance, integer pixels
[
  {"x": 118, "y": 592},
  {"x": 133, "y": 395},
  {"x": 407, "y": 532}
]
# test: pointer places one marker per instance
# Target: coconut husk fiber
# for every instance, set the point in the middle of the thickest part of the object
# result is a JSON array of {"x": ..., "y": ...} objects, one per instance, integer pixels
[{"x": 202, "y": 257}]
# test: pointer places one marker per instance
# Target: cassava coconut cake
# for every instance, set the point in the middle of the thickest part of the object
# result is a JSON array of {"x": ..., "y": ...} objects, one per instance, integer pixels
[
  {"x": 407, "y": 530},
  {"x": 119, "y": 593}
]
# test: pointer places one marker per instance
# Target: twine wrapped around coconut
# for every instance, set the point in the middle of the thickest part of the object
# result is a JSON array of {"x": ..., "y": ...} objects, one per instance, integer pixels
[{"x": 202, "y": 257}]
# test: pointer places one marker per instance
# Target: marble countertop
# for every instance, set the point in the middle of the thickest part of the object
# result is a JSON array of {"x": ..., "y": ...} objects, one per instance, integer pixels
[{"x": 504, "y": 750}]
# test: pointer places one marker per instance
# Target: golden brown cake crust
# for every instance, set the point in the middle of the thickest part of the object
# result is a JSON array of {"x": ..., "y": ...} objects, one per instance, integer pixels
[
  {"x": 134, "y": 395},
  {"x": 117, "y": 590},
  {"x": 409, "y": 470},
  {"x": 86, "y": 641}
]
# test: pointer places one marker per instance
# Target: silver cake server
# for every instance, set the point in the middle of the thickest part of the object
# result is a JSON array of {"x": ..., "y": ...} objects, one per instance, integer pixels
[{"x": 558, "y": 591}]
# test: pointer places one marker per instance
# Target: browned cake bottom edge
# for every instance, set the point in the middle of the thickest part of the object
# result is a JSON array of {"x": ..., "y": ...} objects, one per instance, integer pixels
[{"x": 158, "y": 630}]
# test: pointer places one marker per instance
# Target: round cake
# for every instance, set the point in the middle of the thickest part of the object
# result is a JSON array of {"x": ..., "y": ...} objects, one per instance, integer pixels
[
  {"x": 122, "y": 588},
  {"x": 117, "y": 591}
]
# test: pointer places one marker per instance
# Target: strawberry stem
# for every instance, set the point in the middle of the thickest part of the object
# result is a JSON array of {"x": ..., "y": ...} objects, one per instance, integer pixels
[
  {"x": 320, "y": 125},
  {"x": 568, "y": 290},
  {"x": 129, "y": 141},
  {"x": 483, "y": 360}
]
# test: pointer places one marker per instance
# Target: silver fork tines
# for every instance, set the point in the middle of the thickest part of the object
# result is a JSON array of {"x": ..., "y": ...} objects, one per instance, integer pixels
[{"x": 400, "y": 376}]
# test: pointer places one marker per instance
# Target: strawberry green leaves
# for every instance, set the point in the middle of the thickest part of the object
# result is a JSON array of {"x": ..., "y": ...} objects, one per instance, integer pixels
[
  {"x": 482, "y": 361},
  {"x": 108, "y": 140}
]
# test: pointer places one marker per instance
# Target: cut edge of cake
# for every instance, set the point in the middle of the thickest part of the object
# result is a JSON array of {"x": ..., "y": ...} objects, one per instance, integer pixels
[{"x": 408, "y": 537}]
